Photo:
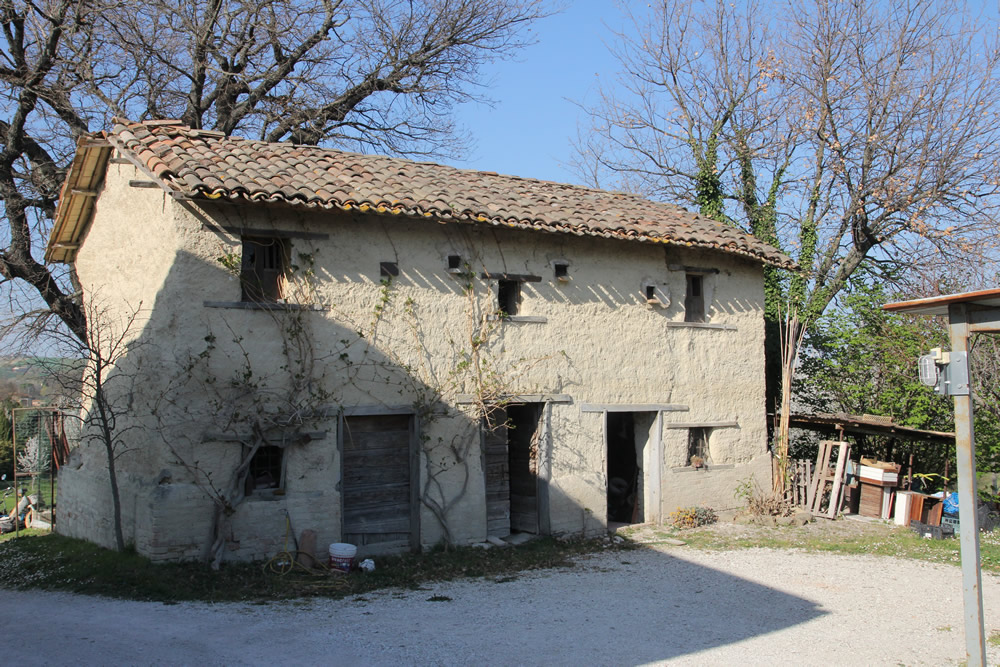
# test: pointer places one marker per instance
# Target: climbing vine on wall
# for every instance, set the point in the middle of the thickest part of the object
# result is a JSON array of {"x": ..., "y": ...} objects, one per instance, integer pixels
[{"x": 253, "y": 402}]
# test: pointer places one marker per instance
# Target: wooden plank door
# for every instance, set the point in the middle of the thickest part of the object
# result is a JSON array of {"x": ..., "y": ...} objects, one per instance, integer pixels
[
  {"x": 379, "y": 506},
  {"x": 497, "y": 467}
]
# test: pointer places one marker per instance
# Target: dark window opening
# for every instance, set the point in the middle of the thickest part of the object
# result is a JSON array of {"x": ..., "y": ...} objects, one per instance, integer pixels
[
  {"x": 561, "y": 270},
  {"x": 262, "y": 272},
  {"x": 651, "y": 293},
  {"x": 698, "y": 451},
  {"x": 508, "y": 297},
  {"x": 454, "y": 262},
  {"x": 388, "y": 269},
  {"x": 265, "y": 469},
  {"x": 694, "y": 299}
]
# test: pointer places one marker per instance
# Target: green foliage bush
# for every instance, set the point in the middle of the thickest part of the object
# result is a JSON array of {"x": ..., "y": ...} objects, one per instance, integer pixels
[{"x": 859, "y": 359}]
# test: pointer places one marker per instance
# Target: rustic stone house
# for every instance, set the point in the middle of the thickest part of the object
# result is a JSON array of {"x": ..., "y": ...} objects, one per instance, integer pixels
[{"x": 395, "y": 353}]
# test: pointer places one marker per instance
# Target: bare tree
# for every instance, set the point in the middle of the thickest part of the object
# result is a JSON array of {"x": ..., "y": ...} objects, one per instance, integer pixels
[
  {"x": 848, "y": 134},
  {"x": 97, "y": 383},
  {"x": 380, "y": 75}
]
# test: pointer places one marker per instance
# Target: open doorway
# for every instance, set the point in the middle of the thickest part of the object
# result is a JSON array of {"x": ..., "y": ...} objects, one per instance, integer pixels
[
  {"x": 511, "y": 453},
  {"x": 628, "y": 454}
]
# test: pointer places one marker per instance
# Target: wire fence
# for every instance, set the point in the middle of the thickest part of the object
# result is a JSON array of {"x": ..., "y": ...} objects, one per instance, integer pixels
[{"x": 41, "y": 447}]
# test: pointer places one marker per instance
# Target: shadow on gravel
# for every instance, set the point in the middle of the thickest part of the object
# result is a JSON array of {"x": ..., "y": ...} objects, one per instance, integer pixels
[
  {"x": 616, "y": 608},
  {"x": 631, "y": 607},
  {"x": 688, "y": 607}
]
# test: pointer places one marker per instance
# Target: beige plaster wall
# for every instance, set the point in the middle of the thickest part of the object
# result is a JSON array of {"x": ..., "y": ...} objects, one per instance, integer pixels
[{"x": 376, "y": 347}]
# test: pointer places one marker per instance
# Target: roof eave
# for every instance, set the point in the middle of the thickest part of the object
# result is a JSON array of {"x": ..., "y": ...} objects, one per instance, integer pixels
[
  {"x": 78, "y": 198},
  {"x": 782, "y": 261}
]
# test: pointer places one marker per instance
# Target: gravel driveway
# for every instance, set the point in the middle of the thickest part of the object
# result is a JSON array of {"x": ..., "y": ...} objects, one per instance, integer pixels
[{"x": 664, "y": 604}]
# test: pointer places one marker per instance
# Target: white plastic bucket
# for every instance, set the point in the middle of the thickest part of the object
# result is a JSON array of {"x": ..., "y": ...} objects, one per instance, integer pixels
[{"x": 342, "y": 555}]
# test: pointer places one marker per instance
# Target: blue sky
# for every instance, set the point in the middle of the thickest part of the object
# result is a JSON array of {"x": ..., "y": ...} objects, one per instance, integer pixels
[{"x": 530, "y": 129}]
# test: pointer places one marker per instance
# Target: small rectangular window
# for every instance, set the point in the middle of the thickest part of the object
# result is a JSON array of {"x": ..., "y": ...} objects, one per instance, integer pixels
[
  {"x": 508, "y": 297},
  {"x": 698, "y": 450},
  {"x": 388, "y": 269},
  {"x": 454, "y": 263},
  {"x": 263, "y": 267},
  {"x": 694, "y": 299},
  {"x": 265, "y": 470},
  {"x": 561, "y": 271}
]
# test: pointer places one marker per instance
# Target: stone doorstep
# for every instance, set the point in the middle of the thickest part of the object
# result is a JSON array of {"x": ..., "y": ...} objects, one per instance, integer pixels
[{"x": 514, "y": 540}]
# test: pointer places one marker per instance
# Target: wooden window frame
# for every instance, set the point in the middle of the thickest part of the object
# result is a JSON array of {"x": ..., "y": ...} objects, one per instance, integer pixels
[
  {"x": 699, "y": 438},
  {"x": 509, "y": 298},
  {"x": 263, "y": 269},
  {"x": 694, "y": 298},
  {"x": 269, "y": 460}
]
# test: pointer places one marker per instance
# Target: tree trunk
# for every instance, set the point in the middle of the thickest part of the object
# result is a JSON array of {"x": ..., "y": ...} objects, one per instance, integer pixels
[
  {"x": 791, "y": 343},
  {"x": 107, "y": 437}
]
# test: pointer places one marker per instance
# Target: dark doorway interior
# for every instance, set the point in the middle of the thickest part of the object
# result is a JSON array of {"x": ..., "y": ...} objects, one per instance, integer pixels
[
  {"x": 624, "y": 470},
  {"x": 511, "y": 456},
  {"x": 522, "y": 441}
]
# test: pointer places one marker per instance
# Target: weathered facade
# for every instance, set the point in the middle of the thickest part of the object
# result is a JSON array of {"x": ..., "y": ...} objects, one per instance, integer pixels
[{"x": 401, "y": 353}]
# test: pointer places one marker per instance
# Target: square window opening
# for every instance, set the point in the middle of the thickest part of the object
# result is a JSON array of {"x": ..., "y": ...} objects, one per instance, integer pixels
[
  {"x": 694, "y": 299},
  {"x": 698, "y": 449},
  {"x": 454, "y": 263},
  {"x": 561, "y": 270},
  {"x": 265, "y": 472},
  {"x": 263, "y": 269},
  {"x": 508, "y": 297},
  {"x": 388, "y": 269}
]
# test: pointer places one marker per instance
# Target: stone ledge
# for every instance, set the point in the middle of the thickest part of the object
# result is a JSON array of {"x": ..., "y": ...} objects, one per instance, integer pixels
[{"x": 705, "y": 469}]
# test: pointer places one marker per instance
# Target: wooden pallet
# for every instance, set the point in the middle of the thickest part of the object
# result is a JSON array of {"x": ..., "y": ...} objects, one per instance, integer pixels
[
  {"x": 822, "y": 475},
  {"x": 800, "y": 478}
]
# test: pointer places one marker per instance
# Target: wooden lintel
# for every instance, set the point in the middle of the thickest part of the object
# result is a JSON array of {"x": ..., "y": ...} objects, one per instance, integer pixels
[
  {"x": 142, "y": 184},
  {"x": 83, "y": 193},
  {"x": 633, "y": 407},
  {"x": 701, "y": 325},
  {"x": 214, "y": 436},
  {"x": 469, "y": 399},
  {"x": 729, "y": 424},
  {"x": 691, "y": 269},
  {"x": 515, "y": 277},
  {"x": 372, "y": 410},
  {"x": 275, "y": 233}
]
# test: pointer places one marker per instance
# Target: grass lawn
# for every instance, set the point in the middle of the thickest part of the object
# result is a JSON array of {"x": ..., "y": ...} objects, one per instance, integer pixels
[
  {"x": 878, "y": 539},
  {"x": 53, "y": 562}
]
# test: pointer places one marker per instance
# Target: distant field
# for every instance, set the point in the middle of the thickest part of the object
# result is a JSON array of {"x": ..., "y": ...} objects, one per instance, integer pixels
[{"x": 31, "y": 376}]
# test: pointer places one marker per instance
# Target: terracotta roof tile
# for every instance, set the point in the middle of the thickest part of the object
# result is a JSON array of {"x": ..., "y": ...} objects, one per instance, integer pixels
[{"x": 196, "y": 164}]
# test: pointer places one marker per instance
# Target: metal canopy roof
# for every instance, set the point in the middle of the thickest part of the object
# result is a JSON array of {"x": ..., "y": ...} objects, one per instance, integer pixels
[
  {"x": 981, "y": 300},
  {"x": 982, "y": 308},
  {"x": 867, "y": 425}
]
